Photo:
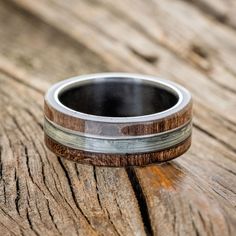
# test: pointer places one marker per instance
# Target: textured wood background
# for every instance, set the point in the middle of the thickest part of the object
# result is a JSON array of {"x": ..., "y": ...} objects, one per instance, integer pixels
[{"x": 190, "y": 42}]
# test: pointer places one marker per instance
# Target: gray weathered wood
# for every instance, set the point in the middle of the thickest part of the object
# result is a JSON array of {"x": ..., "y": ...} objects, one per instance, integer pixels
[{"x": 46, "y": 41}]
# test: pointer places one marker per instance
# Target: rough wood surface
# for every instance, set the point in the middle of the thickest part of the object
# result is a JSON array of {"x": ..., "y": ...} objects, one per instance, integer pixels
[{"x": 45, "y": 41}]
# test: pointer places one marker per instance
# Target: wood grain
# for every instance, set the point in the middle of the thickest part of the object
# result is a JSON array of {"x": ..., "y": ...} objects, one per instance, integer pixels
[
  {"x": 142, "y": 128},
  {"x": 42, "y": 194}
]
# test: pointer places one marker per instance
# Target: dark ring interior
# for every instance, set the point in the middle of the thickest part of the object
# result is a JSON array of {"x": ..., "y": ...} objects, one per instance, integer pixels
[{"x": 118, "y": 98}]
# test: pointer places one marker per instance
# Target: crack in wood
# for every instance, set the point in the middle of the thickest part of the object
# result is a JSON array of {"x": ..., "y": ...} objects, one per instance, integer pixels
[
  {"x": 33, "y": 117},
  {"x": 193, "y": 222},
  {"x": 225, "y": 188},
  {"x": 4, "y": 191},
  {"x": 141, "y": 200},
  {"x": 30, "y": 222},
  {"x": 18, "y": 127},
  {"x": 27, "y": 162},
  {"x": 110, "y": 220},
  {"x": 1, "y": 174},
  {"x": 97, "y": 190},
  {"x": 72, "y": 191},
  {"x": 17, "y": 198},
  {"x": 227, "y": 145},
  {"x": 52, "y": 217},
  {"x": 202, "y": 220},
  {"x": 223, "y": 167}
]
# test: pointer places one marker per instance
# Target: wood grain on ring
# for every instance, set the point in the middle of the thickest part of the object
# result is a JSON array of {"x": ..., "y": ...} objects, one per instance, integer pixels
[{"x": 144, "y": 128}]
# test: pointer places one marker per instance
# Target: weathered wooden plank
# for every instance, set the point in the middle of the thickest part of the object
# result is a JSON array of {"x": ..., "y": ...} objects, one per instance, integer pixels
[
  {"x": 40, "y": 193},
  {"x": 193, "y": 195},
  {"x": 41, "y": 50},
  {"x": 53, "y": 195}
]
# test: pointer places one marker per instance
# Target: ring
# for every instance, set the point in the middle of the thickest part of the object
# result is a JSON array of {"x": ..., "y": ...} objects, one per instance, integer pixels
[{"x": 117, "y": 119}]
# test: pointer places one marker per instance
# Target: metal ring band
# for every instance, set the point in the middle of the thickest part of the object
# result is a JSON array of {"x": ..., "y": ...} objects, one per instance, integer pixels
[{"x": 84, "y": 137}]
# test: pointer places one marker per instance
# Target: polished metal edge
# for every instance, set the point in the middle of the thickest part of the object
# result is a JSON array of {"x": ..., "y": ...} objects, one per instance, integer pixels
[
  {"x": 136, "y": 144},
  {"x": 52, "y": 100}
]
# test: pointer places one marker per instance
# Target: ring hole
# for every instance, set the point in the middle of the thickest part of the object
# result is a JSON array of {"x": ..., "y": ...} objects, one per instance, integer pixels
[{"x": 118, "y": 97}]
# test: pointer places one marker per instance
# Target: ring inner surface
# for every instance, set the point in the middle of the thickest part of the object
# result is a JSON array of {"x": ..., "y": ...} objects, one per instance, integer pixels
[{"x": 118, "y": 97}]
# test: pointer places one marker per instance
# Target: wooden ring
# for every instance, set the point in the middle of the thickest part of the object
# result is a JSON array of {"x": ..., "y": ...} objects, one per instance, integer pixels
[{"x": 118, "y": 119}]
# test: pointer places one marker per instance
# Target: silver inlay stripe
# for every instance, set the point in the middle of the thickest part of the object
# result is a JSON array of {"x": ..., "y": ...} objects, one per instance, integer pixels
[{"x": 120, "y": 146}]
